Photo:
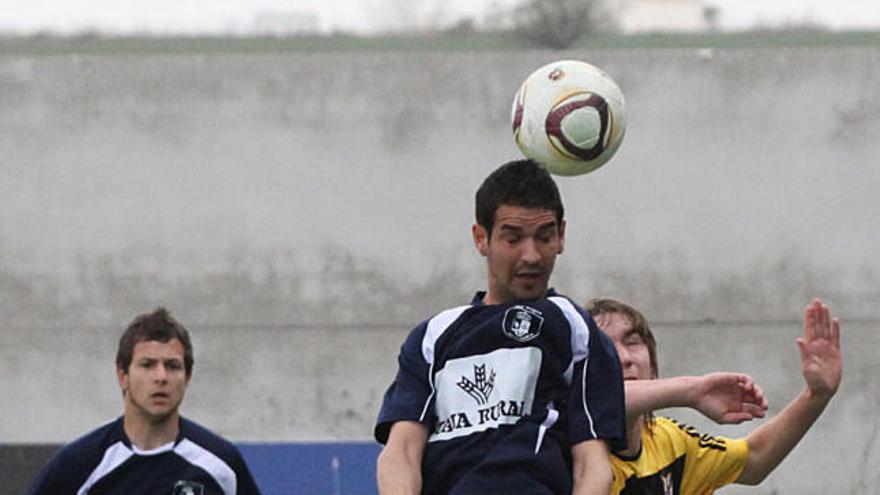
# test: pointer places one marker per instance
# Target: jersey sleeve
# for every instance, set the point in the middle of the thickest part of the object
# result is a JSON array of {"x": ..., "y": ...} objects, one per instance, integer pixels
[
  {"x": 410, "y": 394},
  {"x": 44, "y": 483},
  {"x": 712, "y": 461},
  {"x": 596, "y": 401},
  {"x": 245, "y": 483},
  {"x": 63, "y": 474}
]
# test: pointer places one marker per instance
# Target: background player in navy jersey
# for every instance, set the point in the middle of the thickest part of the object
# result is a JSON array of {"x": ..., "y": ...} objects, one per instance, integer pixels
[
  {"x": 150, "y": 449},
  {"x": 667, "y": 457},
  {"x": 517, "y": 392}
]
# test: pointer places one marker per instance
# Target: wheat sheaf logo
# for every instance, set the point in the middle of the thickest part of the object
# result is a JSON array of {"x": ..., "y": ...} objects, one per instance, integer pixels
[{"x": 481, "y": 387}]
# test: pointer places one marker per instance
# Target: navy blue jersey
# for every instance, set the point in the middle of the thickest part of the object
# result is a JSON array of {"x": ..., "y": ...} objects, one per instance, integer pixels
[
  {"x": 505, "y": 390},
  {"x": 104, "y": 461}
]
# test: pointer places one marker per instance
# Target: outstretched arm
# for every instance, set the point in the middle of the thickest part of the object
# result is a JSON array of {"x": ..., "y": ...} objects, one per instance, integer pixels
[
  {"x": 399, "y": 466},
  {"x": 591, "y": 468},
  {"x": 723, "y": 397},
  {"x": 821, "y": 366}
]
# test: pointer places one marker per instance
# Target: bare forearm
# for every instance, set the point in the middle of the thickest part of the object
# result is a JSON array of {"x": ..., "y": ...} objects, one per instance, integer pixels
[
  {"x": 644, "y": 396},
  {"x": 595, "y": 482},
  {"x": 399, "y": 466},
  {"x": 772, "y": 441},
  {"x": 397, "y": 473},
  {"x": 591, "y": 468},
  {"x": 722, "y": 396}
]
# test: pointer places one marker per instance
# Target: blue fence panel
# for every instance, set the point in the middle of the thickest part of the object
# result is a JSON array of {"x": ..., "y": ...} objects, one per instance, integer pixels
[{"x": 313, "y": 468}]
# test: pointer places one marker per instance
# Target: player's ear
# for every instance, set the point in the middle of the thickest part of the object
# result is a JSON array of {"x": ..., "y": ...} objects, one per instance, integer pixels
[
  {"x": 122, "y": 376},
  {"x": 481, "y": 238},
  {"x": 561, "y": 237}
]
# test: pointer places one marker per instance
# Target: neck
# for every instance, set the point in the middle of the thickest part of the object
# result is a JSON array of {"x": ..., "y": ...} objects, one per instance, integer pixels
[
  {"x": 149, "y": 433},
  {"x": 491, "y": 298},
  {"x": 495, "y": 296},
  {"x": 634, "y": 436}
]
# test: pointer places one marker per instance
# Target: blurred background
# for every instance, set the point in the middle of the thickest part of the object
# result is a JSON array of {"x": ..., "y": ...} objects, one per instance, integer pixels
[
  {"x": 364, "y": 17},
  {"x": 294, "y": 181}
]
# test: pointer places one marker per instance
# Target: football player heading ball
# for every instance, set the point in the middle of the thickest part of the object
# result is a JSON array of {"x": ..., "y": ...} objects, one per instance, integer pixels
[{"x": 498, "y": 396}]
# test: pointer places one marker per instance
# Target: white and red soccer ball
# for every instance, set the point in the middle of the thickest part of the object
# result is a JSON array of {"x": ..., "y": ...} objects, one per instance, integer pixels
[{"x": 569, "y": 117}]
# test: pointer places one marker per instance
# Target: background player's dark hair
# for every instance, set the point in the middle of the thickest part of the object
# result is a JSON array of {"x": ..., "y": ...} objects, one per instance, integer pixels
[
  {"x": 597, "y": 307},
  {"x": 518, "y": 183},
  {"x": 156, "y": 326}
]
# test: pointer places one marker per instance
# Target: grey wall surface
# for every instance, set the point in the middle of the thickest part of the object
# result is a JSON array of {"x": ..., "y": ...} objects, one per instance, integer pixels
[
  {"x": 254, "y": 187},
  {"x": 301, "y": 212}
]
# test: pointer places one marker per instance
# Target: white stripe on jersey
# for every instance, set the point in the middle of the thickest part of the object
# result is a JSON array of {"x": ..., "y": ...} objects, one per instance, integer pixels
[
  {"x": 549, "y": 421},
  {"x": 168, "y": 447},
  {"x": 114, "y": 456},
  {"x": 431, "y": 395},
  {"x": 584, "y": 388},
  {"x": 580, "y": 338},
  {"x": 205, "y": 459},
  {"x": 436, "y": 326},
  {"x": 580, "y": 333}
]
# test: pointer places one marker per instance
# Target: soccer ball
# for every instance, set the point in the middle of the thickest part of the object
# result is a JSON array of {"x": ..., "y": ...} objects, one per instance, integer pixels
[{"x": 569, "y": 117}]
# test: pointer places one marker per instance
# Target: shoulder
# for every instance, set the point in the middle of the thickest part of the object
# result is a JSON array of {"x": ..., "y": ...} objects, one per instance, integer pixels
[
  {"x": 425, "y": 335},
  {"x": 586, "y": 337},
  {"x": 69, "y": 467},
  {"x": 666, "y": 430},
  {"x": 437, "y": 324},
  {"x": 712, "y": 462},
  {"x": 207, "y": 439},
  {"x": 90, "y": 447},
  {"x": 671, "y": 430},
  {"x": 575, "y": 315},
  {"x": 216, "y": 455}
]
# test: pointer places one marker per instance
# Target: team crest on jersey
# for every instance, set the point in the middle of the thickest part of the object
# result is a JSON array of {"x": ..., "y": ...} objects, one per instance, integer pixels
[
  {"x": 522, "y": 323},
  {"x": 481, "y": 387},
  {"x": 188, "y": 488}
]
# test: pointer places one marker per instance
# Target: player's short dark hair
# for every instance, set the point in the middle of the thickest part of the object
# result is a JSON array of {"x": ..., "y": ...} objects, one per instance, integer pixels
[
  {"x": 521, "y": 183},
  {"x": 156, "y": 326}
]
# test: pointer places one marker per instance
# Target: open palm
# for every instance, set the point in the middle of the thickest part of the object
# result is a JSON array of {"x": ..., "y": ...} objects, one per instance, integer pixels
[{"x": 820, "y": 350}]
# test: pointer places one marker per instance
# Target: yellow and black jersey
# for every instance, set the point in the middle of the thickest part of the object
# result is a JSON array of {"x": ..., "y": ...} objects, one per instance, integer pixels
[{"x": 675, "y": 459}]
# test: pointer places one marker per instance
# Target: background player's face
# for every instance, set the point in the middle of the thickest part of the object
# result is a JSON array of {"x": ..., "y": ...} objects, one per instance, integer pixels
[
  {"x": 520, "y": 252},
  {"x": 631, "y": 347},
  {"x": 156, "y": 379}
]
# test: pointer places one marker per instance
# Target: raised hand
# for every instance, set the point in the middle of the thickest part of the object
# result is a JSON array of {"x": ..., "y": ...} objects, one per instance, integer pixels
[
  {"x": 821, "y": 363},
  {"x": 729, "y": 398},
  {"x": 821, "y": 367}
]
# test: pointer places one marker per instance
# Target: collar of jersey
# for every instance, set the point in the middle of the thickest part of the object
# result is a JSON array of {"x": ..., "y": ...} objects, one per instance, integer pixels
[
  {"x": 119, "y": 434},
  {"x": 478, "y": 297},
  {"x": 168, "y": 447}
]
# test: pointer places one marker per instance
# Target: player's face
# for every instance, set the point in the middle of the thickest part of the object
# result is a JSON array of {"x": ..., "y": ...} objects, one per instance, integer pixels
[
  {"x": 520, "y": 252},
  {"x": 156, "y": 380},
  {"x": 631, "y": 347}
]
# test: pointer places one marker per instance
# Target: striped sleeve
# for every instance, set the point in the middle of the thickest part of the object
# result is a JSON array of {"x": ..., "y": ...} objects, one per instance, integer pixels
[
  {"x": 410, "y": 396},
  {"x": 595, "y": 403}
]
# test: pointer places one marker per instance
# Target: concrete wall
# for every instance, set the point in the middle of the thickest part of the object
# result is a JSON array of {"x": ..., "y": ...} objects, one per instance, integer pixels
[
  {"x": 301, "y": 212},
  {"x": 253, "y": 187}
]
